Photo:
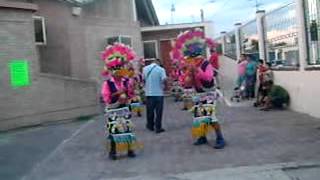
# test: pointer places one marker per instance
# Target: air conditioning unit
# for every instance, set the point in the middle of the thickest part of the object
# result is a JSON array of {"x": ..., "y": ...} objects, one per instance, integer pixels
[{"x": 76, "y": 11}]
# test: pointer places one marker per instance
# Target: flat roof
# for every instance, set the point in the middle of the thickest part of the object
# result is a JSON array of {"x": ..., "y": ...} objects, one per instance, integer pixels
[{"x": 175, "y": 26}]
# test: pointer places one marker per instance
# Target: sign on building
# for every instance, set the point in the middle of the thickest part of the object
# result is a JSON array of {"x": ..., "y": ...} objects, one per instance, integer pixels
[{"x": 19, "y": 73}]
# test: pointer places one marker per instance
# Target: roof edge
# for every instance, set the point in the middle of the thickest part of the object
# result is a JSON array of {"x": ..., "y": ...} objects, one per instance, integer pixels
[
  {"x": 153, "y": 12},
  {"x": 175, "y": 26},
  {"x": 19, "y": 5}
]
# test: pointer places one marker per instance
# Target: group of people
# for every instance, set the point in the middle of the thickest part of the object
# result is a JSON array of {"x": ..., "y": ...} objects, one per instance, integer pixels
[
  {"x": 121, "y": 92},
  {"x": 255, "y": 80},
  {"x": 125, "y": 89},
  {"x": 246, "y": 81}
]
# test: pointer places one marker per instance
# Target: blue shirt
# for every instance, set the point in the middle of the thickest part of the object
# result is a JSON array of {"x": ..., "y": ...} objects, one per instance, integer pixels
[
  {"x": 154, "y": 83},
  {"x": 251, "y": 68}
]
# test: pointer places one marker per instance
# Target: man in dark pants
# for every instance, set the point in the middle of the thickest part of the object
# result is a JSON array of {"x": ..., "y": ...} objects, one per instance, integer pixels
[{"x": 155, "y": 78}]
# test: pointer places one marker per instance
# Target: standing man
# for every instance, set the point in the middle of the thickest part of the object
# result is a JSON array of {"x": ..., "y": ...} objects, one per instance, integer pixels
[{"x": 155, "y": 79}]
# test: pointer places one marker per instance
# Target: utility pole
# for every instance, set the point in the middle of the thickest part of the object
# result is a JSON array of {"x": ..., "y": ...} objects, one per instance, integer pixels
[
  {"x": 201, "y": 15},
  {"x": 173, "y": 10},
  {"x": 257, "y": 4}
]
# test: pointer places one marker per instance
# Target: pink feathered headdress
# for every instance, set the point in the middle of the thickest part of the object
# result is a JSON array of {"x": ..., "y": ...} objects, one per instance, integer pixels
[
  {"x": 117, "y": 55},
  {"x": 191, "y": 43}
]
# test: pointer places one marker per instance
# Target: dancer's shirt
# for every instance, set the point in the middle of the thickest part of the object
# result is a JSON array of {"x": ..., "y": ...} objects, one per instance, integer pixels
[
  {"x": 204, "y": 74},
  {"x": 119, "y": 85},
  {"x": 214, "y": 60}
]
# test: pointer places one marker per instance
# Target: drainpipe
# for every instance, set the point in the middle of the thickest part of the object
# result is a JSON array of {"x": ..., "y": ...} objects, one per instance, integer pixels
[
  {"x": 301, "y": 34},
  {"x": 134, "y": 8},
  {"x": 260, "y": 28},
  {"x": 238, "y": 46}
]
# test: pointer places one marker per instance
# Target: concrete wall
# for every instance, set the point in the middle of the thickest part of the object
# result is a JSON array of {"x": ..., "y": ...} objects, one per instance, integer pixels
[
  {"x": 119, "y": 10},
  {"x": 75, "y": 42},
  {"x": 228, "y": 72},
  {"x": 55, "y": 56},
  {"x": 303, "y": 86},
  {"x": 96, "y": 42},
  {"x": 48, "y": 97}
]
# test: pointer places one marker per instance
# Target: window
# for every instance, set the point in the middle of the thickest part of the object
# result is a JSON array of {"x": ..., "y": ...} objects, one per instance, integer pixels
[
  {"x": 126, "y": 40},
  {"x": 249, "y": 42},
  {"x": 121, "y": 39},
  {"x": 282, "y": 37},
  {"x": 312, "y": 14},
  {"x": 150, "y": 49},
  {"x": 40, "y": 30}
]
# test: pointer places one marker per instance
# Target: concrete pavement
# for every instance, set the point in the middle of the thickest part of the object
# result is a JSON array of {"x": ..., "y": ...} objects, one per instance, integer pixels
[
  {"x": 254, "y": 139},
  {"x": 280, "y": 171},
  {"x": 21, "y": 150}
]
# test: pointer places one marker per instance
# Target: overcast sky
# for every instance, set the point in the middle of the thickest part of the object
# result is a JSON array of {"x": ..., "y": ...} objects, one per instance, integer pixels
[{"x": 223, "y": 13}]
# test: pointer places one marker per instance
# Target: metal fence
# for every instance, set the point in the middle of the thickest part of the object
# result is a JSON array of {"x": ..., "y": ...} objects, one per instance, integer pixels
[
  {"x": 230, "y": 45},
  {"x": 281, "y": 36},
  {"x": 312, "y": 14},
  {"x": 219, "y": 45},
  {"x": 249, "y": 41}
]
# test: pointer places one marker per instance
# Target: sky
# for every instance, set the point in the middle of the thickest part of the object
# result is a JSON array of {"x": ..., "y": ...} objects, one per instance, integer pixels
[{"x": 223, "y": 13}]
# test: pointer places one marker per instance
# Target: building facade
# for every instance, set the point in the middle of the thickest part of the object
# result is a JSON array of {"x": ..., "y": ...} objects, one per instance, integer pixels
[
  {"x": 157, "y": 40},
  {"x": 49, "y": 53}
]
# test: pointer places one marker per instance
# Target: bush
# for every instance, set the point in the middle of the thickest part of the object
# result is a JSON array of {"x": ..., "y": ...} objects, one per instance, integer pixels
[{"x": 279, "y": 96}]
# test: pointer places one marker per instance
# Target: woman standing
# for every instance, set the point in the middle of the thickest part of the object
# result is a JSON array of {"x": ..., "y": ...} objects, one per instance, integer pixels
[{"x": 242, "y": 65}]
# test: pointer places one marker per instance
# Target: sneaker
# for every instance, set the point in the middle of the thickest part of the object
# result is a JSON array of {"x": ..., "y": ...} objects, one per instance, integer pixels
[
  {"x": 220, "y": 144},
  {"x": 112, "y": 156},
  {"x": 131, "y": 154},
  {"x": 158, "y": 131},
  {"x": 201, "y": 141},
  {"x": 150, "y": 128},
  {"x": 265, "y": 109}
]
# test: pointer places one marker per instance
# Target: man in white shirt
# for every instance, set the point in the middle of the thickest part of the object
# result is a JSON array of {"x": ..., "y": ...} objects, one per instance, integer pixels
[{"x": 155, "y": 78}]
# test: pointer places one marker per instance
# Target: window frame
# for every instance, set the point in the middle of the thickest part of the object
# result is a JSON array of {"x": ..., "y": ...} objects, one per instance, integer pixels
[
  {"x": 44, "y": 30},
  {"x": 119, "y": 39},
  {"x": 156, "y": 46}
]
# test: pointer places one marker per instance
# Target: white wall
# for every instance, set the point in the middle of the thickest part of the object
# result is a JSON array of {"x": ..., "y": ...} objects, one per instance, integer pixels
[
  {"x": 304, "y": 88},
  {"x": 228, "y": 72}
]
